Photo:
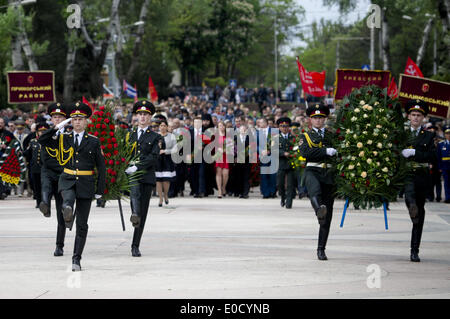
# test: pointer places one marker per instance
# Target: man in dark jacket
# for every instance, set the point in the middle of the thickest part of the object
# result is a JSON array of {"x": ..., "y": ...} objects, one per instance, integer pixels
[
  {"x": 285, "y": 170},
  {"x": 146, "y": 146},
  {"x": 80, "y": 154},
  {"x": 316, "y": 146},
  {"x": 421, "y": 153},
  {"x": 50, "y": 172},
  {"x": 33, "y": 154}
]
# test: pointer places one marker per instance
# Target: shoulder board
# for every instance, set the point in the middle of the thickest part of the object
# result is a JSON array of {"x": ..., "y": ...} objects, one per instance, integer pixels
[{"x": 92, "y": 136}]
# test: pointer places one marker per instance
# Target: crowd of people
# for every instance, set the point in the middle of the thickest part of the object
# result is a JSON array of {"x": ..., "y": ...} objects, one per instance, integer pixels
[
  {"x": 219, "y": 109},
  {"x": 156, "y": 132}
]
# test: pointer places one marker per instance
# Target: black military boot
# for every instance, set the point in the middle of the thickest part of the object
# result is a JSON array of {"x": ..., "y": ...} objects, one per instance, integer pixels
[
  {"x": 135, "y": 219},
  {"x": 68, "y": 216},
  {"x": 321, "y": 254},
  {"x": 44, "y": 205},
  {"x": 137, "y": 235},
  {"x": 60, "y": 235},
  {"x": 324, "y": 230},
  {"x": 283, "y": 201},
  {"x": 412, "y": 209},
  {"x": 415, "y": 255},
  {"x": 77, "y": 251},
  {"x": 321, "y": 210},
  {"x": 135, "y": 251}
]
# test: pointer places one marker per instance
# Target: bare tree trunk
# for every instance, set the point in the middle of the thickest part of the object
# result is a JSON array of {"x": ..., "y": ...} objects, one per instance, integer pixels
[
  {"x": 426, "y": 36},
  {"x": 98, "y": 50},
  {"x": 137, "y": 42},
  {"x": 118, "y": 48},
  {"x": 385, "y": 42},
  {"x": 32, "y": 65},
  {"x": 16, "y": 54},
  {"x": 69, "y": 72},
  {"x": 444, "y": 46}
]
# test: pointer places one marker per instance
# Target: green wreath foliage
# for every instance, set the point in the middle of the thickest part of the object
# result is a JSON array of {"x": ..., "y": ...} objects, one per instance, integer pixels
[{"x": 370, "y": 134}]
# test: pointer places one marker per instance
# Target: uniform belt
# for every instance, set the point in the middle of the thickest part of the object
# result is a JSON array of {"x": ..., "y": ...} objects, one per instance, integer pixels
[
  {"x": 77, "y": 172},
  {"x": 320, "y": 165},
  {"x": 420, "y": 165},
  {"x": 446, "y": 158}
]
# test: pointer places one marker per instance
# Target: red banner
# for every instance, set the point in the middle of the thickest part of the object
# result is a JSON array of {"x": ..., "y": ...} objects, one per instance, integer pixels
[
  {"x": 412, "y": 68},
  {"x": 348, "y": 80},
  {"x": 152, "y": 90},
  {"x": 31, "y": 87},
  {"x": 393, "y": 90},
  {"x": 435, "y": 93},
  {"x": 312, "y": 82}
]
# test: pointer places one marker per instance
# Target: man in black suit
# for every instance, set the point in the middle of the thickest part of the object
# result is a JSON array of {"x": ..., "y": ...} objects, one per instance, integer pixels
[
  {"x": 80, "y": 154},
  {"x": 242, "y": 166},
  {"x": 285, "y": 170},
  {"x": 421, "y": 153},
  {"x": 317, "y": 147},
  {"x": 50, "y": 172},
  {"x": 146, "y": 146}
]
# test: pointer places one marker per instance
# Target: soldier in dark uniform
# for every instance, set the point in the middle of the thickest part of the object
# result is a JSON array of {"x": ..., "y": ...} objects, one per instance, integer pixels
[
  {"x": 421, "y": 152},
  {"x": 80, "y": 154},
  {"x": 50, "y": 172},
  {"x": 34, "y": 156},
  {"x": 443, "y": 157},
  {"x": 316, "y": 146},
  {"x": 146, "y": 146},
  {"x": 285, "y": 170}
]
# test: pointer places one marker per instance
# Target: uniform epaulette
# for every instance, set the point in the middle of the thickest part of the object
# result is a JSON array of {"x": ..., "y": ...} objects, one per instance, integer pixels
[{"x": 92, "y": 135}]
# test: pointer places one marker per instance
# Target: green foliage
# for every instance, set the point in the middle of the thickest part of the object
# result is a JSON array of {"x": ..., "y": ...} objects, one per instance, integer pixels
[{"x": 370, "y": 135}]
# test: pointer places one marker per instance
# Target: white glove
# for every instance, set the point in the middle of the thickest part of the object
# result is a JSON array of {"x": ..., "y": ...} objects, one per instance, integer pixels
[
  {"x": 63, "y": 123},
  {"x": 97, "y": 196},
  {"x": 408, "y": 152},
  {"x": 131, "y": 169},
  {"x": 331, "y": 151}
]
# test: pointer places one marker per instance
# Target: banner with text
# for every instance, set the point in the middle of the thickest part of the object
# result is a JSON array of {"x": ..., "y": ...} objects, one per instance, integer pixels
[
  {"x": 347, "y": 80},
  {"x": 31, "y": 87},
  {"x": 435, "y": 93}
]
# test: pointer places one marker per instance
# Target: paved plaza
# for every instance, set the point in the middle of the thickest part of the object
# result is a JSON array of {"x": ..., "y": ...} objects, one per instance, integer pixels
[{"x": 226, "y": 248}]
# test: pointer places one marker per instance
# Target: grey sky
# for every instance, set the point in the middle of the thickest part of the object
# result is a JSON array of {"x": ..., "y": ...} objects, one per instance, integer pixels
[{"x": 315, "y": 10}]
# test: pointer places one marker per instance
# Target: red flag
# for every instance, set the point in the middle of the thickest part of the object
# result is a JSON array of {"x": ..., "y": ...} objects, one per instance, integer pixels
[
  {"x": 152, "y": 90},
  {"x": 87, "y": 102},
  {"x": 312, "y": 82},
  {"x": 136, "y": 96},
  {"x": 412, "y": 68},
  {"x": 393, "y": 90}
]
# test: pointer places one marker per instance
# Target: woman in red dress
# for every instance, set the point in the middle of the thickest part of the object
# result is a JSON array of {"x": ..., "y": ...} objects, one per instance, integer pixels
[{"x": 222, "y": 166}]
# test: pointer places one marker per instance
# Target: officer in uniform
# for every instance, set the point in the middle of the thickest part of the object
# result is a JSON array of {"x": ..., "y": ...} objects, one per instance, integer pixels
[
  {"x": 146, "y": 147},
  {"x": 80, "y": 154},
  {"x": 443, "y": 156},
  {"x": 50, "y": 172},
  {"x": 316, "y": 147},
  {"x": 34, "y": 156},
  {"x": 421, "y": 152},
  {"x": 285, "y": 170}
]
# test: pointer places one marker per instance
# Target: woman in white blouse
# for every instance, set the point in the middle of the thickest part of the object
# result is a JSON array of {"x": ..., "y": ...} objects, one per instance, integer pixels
[{"x": 165, "y": 167}]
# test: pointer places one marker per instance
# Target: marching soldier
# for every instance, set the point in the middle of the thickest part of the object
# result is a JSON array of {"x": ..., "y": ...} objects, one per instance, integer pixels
[
  {"x": 146, "y": 146},
  {"x": 50, "y": 172},
  {"x": 285, "y": 170},
  {"x": 79, "y": 153},
  {"x": 443, "y": 155},
  {"x": 316, "y": 146},
  {"x": 420, "y": 153},
  {"x": 34, "y": 156}
]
